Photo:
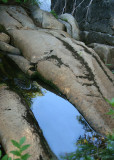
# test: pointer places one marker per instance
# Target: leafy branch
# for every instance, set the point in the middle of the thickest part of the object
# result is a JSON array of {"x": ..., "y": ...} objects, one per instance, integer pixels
[{"x": 19, "y": 151}]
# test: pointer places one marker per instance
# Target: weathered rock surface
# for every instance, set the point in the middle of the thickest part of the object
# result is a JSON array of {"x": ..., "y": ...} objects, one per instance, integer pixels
[
  {"x": 67, "y": 26},
  {"x": 22, "y": 63},
  {"x": 105, "y": 52},
  {"x": 72, "y": 67},
  {"x": 74, "y": 25},
  {"x": 45, "y": 19},
  {"x": 16, "y": 121},
  {"x": 92, "y": 16},
  {"x": 4, "y": 37},
  {"x": 15, "y": 17},
  {"x": 8, "y": 48},
  {"x": 96, "y": 37}
]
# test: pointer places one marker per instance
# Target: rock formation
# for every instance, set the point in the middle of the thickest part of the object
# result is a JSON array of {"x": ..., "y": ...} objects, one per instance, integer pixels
[
  {"x": 95, "y": 19},
  {"x": 69, "y": 20},
  {"x": 67, "y": 64},
  {"x": 17, "y": 120},
  {"x": 92, "y": 15}
]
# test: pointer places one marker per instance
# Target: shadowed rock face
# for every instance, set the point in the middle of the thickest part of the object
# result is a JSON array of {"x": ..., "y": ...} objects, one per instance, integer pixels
[
  {"x": 96, "y": 17},
  {"x": 67, "y": 64}
]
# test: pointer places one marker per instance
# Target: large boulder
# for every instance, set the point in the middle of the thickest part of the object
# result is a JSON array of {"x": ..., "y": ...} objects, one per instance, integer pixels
[
  {"x": 45, "y": 19},
  {"x": 64, "y": 63},
  {"x": 15, "y": 17},
  {"x": 96, "y": 37},
  {"x": 105, "y": 52},
  {"x": 74, "y": 29},
  {"x": 91, "y": 15},
  {"x": 73, "y": 68},
  {"x": 16, "y": 121}
]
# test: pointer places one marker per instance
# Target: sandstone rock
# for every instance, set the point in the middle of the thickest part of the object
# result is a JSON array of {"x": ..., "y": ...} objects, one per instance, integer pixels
[
  {"x": 19, "y": 14},
  {"x": 15, "y": 17},
  {"x": 4, "y": 37},
  {"x": 7, "y": 21},
  {"x": 22, "y": 63},
  {"x": 46, "y": 20},
  {"x": 73, "y": 68},
  {"x": 68, "y": 27},
  {"x": 8, "y": 48},
  {"x": 74, "y": 25},
  {"x": 55, "y": 31},
  {"x": 16, "y": 121},
  {"x": 105, "y": 52}
]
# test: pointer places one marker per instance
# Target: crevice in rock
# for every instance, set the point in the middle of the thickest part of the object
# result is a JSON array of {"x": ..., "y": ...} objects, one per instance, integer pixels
[
  {"x": 90, "y": 76},
  {"x": 87, "y": 51},
  {"x": 57, "y": 59},
  {"x": 87, "y": 84},
  {"x": 14, "y": 17},
  {"x": 82, "y": 77},
  {"x": 90, "y": 95}
]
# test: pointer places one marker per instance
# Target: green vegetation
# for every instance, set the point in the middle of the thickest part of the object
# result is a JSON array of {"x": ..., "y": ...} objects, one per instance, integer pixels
[
  {"x": 30, "y": 2},
  {"x": 19, "y": 151},
  {"x": 111, "y": 102},
  {"x": 54, "y": 14},
  {"x": 64, "y": 19},
  {"x": 13, "y": 77},
  {"x": 94, "y": 147}
]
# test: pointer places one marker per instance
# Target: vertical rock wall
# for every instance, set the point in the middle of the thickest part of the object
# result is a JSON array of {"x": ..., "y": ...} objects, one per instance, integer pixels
[{"x": 94, "y": 16}]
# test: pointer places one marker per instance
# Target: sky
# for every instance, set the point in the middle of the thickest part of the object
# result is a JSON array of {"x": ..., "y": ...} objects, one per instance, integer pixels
[
  {"x": 45, "y": 5},
  {"x": 57, "y": 118}
]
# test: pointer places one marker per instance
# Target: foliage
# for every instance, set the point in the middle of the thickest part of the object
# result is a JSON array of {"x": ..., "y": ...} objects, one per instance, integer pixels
[
  {"x": 19, "y": 151},
  {"x": 111, "y": 111},
  {"x": 94, "y": 147},
  {"x": 30, "y": 2},
  {"x": 13, "y": 77},
  {"x": 111, "y": 102},
  {"x": 64, "y": 19},
  {"x": 54, "y": 14}
]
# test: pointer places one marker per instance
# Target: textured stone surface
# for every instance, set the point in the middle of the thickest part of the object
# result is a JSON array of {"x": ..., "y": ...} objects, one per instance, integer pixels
[
  {"x": 74, "y": 68},
  {"x": 8, "y": 48},
  {"x": 22, "y": 63},
  {"x": 97, "y": 16},
  {"x": 71, "y": 66},
  {"x": 74, "y": 25},
  {"x": 4, "y": 37},
  {"x": 15, "y": 17},
  {"x": 105, "y": 52},
  {"x": 16, "y": 121},
  {"x": 46, "y": 20},
  {"x": 97, "y": 37}
]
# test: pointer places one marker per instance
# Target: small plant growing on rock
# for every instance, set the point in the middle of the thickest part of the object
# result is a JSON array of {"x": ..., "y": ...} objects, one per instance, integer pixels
[
  {"x": 111, "y": 111},
  {"x": 19, "y": 151},
  {"x": 54, "y": 14}
]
